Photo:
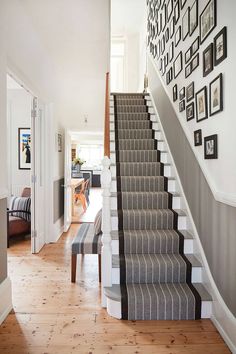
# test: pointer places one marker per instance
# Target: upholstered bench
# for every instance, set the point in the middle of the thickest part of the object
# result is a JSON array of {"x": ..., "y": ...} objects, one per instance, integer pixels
[{"x": 85, "y": 242}]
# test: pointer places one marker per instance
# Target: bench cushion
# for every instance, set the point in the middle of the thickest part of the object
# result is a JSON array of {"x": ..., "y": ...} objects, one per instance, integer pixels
[{"x": 86, "y": 242}]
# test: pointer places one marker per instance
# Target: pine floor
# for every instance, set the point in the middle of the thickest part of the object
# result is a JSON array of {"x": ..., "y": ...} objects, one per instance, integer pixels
[{"x": 53, "y": 316}]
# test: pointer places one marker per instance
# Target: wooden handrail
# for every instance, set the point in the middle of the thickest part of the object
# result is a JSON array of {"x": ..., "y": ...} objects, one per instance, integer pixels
[{"x": 107, "y": 119}]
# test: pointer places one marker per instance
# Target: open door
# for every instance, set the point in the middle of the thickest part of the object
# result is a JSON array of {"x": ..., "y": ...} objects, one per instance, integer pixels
[
  {"x": 37, "y": 176},
  {"x": 67, "y": 183}
]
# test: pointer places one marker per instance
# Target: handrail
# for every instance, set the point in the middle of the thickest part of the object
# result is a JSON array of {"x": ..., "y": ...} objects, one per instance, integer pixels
[{"x": 107, "y": 119}]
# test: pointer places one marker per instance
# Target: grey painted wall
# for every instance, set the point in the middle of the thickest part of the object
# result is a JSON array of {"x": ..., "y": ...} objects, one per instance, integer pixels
[
  {"x": 58, "y": 199},
  {"x": 3, "y": 240},
  {"x": 215, "y": 222}
]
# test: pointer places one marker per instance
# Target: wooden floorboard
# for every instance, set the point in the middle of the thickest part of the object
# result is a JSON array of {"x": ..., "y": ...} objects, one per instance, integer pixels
[{"x": 53, "y": 316}]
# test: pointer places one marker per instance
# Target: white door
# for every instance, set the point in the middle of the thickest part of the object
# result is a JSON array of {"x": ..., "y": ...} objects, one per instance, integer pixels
[
  {"x": 38, "y": 176},
  {"x": 67, "y": 183}
]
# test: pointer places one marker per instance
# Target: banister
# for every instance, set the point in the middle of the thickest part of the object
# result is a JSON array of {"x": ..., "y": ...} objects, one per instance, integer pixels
[{"x": 107, "y": 119}]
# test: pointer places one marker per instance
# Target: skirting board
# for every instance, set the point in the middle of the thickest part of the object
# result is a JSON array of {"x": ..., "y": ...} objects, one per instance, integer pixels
[{"x": 6, "y": 299}]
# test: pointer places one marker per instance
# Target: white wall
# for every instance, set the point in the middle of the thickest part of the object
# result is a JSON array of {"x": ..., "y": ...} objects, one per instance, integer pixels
[{"x": 220, "y": 173}]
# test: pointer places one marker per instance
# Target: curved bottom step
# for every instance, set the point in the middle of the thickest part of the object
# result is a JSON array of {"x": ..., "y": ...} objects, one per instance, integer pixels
[{"x": 113, "y": 295}]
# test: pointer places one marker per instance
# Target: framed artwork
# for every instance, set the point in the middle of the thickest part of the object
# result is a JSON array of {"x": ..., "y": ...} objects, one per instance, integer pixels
[
  {"x": 195, "y": 62},
  {"x": 178, "y": 65},
  {"x": 190, "y": 111},
  {"x": 207, "y": 60},
  {"x": 162, "y": 44},
  {"x": 182, "y": 94},
  {"x": 198, "y": 137},
  {"x": 171, "y": 51},
  {"x": 182, "y": 106},
  {"x": 159, "y": 24},
  {"x": 167, "y": 36},
  {"x": 216, "y": 95},
  {"x": 220, "y": 46},
  {"x": 24, "y": 148},
  {"x": 188, "y": 70},
  {"x": 154, "y": 50},
  {"x": 172, "y": 27},
  {"x": 188, "y": 55},
  {"x": 193, "y": 17},
  {"x": 190, "y": 92},
  {"x": 185, "y": 24},
  {"x": 175, "y": 92},
  {"x": 182, "y": 3},
  {"x": 211, "y": 147},
  {"x": 59, "y": 142},
  {"x": 177, "y": 36},
  {"x": 195, "y": 46},
  {"x": 169, "y": 9},
  {"x": 158, "y": 49},
  {"x": 201, "y": 104},
  {"x": 164, "y": 17},
  {"x": 169, "y": 76},
  {"x": 160, "y": 64},
  {"x": 166, "y": 59},
  {"x": 207, "y": 20},
  {"x": 176, "y": 12}
]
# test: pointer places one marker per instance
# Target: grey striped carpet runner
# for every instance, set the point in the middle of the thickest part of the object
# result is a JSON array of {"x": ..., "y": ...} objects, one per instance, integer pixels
[{"x": 155, "y": 275}]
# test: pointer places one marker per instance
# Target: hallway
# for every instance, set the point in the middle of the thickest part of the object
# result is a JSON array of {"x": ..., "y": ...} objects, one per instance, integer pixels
[{"x": 54, "y": 316}]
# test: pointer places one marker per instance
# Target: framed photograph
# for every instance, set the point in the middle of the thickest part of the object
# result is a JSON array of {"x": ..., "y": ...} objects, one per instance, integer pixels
[
  {"x": 167, "y": 36},
  {"x": 198, "y": 137},
  {"x": 193, "y": 17},
  {"x": 176, "y": 12},
  {"x": 160, "y": 64},
  {"x": 190, "y": 111},
  {"x": 201, "y": 104},
  {"x": 188, "y": 70},
  {"x": 166, "y": 59},
  {"x": 169, "y": 9},
  {"x": 190, "y": 92},
  {"x": 185, "y": 24},
  {"x": 175, "y": 92},
  {"x": 164, "y": 17},
  {"x": 216, "y": 95},
  {"x": 207, "y": 60},
  {"x": 59, "y": 142},
  {"x": 195, "y": 62},
  {"x": 182, "y": 94},
  {"x": 182, "y": 106},
  {"x": 182, "y": 2},
  {"x": 207, "y": 20},
  {"x": 211, "y": 147},
  {"x": 171, "y": 51},
  {"x": 169, "y": 76},
  {"x": 195, "y": 46},
  {"x": 162, "y": 44},
  {"x": 159, "y": 24},
  {"x": 177, "y": 36},
  {"x": 220, "y": 46},
  {"x": 158, "y": 49},
  {"x": 172, "y": 27},
  {"x": 188, "y": 55},
  {"x": 24, "y": 148},
  {"x": 178, "y": 65}
]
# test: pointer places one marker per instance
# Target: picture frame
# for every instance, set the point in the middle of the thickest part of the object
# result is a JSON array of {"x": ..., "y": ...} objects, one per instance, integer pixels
[
  {"x": 160, "y": 24},
  {"x": 182, "y": 2},
  {"x": 190, "y": 111},
  {"x": 201, "y": 104},
  {"x": 220, "y": 46},
  {"x": 198, "y": 137},
  {"x": 171, "y": 52},
  {"x": 195, "y": 62},
  {"x": 163, "y": 44},
  {"x": 182, "y": 94},
  {"x": 59, "y": 142},
  {"x": 188, "y": 55},
  {"x": 172, "y": 27},
  {"x": 193, "y": 17},
  {"x": 182, "y": 106},
  {"x": 176, "y": 12},
  {"x": 207, "y": 20},
  {"x": 167, "y": 36},
  {"x": 216, "y": 95},
  {"x": 207, "y": 60},
  {"x": 190, "y": 92},
  {"x": 195, "y": 46},
  {"x": 211, "y": 147},
  {"x": 164, "y": 17},
  {"x": 169, "y": 9},
  {"x": 188, "y": 70},
  {"x": 24, "y": 148},
  {"x": 177, "y": 36},
  {"x": 175, "y": 92},
  {"x": 178, "y": 65},
  {"x": 185, "y": 24}
]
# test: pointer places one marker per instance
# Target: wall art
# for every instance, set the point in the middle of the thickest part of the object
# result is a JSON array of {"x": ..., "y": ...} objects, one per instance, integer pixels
[
  {"x": 195, "y": 62},
  {"x": 188, "y": 55},
  {"x": 175, "y": 92},
  {"x": 171, "y": 51},
  {"x": 190, "y": 111},
  {"x": 201, "y": 104},
  {"x": 211, "y": 147},
  {"x": 169, "y": 9},
  {"x": 198, "y": 137},
  {"x": 207, "y": 20},
  {"x": 195, "y": 46},
  {"x": 185, "y": 24},
  {"x": 182, "y": 106},
  {"x": 207, "y": 60},
  {"x": 190, "y": 92},
  {"x": 188, "y": 70},
  {"x": 178, "y": 65},
  {"x": 24, "y": 148},
  {"x": 220, "y": 46},
  {"x": 193, "y": 17},
  {"x": 216, "y": 95},
  {"x": 177, "y": 12},
  {"x": 182, "y": 94},
  {"x": 172, "y": 27},
  {"x": 177, "y": 36}
]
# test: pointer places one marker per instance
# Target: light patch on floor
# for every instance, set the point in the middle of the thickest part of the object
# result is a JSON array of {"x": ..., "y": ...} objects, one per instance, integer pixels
[{"x": 95, "y": 205}]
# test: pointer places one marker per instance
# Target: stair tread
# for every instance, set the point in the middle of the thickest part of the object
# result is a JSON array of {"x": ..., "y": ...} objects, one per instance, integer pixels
[
  {"x": 185, "y": 233},
  {"x": 180, "y": 212},
  {"x": 174, "y": 194}
]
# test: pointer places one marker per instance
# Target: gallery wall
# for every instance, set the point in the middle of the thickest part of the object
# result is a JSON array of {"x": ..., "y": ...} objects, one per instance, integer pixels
[{"x": 220, "y": 169}]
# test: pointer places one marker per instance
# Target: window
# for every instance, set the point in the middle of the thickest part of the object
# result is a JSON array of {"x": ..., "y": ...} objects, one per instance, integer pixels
[{"x": 92, "y": 154}]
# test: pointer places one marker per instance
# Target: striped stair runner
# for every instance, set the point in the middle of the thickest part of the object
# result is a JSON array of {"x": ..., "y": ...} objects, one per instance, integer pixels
[{"x": 155, "y": 275}]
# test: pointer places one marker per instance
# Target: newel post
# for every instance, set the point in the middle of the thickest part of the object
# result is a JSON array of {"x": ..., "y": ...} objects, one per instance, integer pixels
[{"x": 106, "y": 228}]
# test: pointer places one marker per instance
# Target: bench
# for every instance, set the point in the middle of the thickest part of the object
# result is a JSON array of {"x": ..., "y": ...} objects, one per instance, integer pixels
[{"x": 85, "y": 242}]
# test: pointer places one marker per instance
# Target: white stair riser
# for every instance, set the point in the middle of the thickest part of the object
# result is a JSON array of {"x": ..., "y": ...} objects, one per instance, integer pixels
[
  {"x": 151, "y": 110},
  {"x": 164, "y": 158},
  {"x": 153, "y": 117},
  {"x": 155, "y": 125},
  {"x": 175, "y": 203},
  {"x": 158, "y": 135},
  {"x": 160, "y": 145},
  {"x": 171, "y": 186}
]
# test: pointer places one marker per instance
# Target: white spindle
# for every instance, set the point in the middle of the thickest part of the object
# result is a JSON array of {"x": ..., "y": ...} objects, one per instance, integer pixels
[{"x": 106, "y": 228}]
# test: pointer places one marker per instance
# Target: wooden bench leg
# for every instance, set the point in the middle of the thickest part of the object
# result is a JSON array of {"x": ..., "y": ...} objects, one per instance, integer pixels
[
  {"x": 73, "y": 267},
  {"x": 99, "y": 268}
]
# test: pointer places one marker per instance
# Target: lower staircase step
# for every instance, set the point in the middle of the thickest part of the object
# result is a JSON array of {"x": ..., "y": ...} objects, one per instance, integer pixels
[{"x": 141, "y": 183}]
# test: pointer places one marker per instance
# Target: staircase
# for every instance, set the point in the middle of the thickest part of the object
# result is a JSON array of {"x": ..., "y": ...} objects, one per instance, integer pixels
[{"x": 154, "y": 272}]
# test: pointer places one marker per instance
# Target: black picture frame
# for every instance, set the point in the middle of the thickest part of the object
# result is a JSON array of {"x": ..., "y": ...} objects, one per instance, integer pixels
[
  {"x": 195, "y": 46},
  {"x": 167, "y": 36},
  {"x": 201, "y": 104},
  {"x": 198, "y": 137},
  {"x": 220, "y": 46},
  {"x": 24, "y": 148},
  {"x": 190, "y": 92},
  {"x": 171, "y": 52},
  {"x": 211, "y": 147},
  {"x": 172, "y": 27},
  {"x": 177, "y": 36},
  {"x": 182, "y": 94},
  {"x": 185, "y": 24},
  {"x": 193, "y": 17},
  {"x": 163, "y": 44},
  {"x": 207, "y": 60},
  {"x": 194, "y": 62},
  {"x": 176, "y": 12},
  {"x": 178, "y": 65},
  {"x": 190, "y": 111},
  {"x": 207, "y": 23},
  {"x": 182, "y": 106},
  {"x": 169, "y": 9},
  {"x": 188, "y": 70},
  {"x": 216, "y": 95},
  {"x": 164, "y": 17},
  {"x": 188, "y": 55},
  {"x": 175, "y": 92}
]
